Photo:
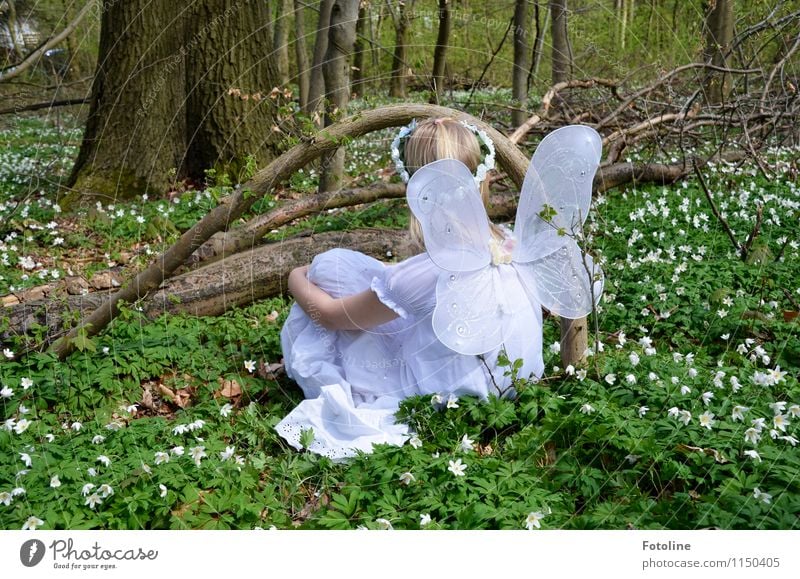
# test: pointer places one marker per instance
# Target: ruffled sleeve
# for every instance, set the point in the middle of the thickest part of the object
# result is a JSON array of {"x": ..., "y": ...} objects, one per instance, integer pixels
[{"x": 409, "y": 287}]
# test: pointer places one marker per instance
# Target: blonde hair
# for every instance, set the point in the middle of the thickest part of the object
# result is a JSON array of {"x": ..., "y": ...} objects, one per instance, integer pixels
[{"x": 443, "y": 138}]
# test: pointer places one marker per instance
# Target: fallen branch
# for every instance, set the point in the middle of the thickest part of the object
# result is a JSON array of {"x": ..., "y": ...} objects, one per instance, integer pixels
[
  {"x": 45, "y": 105},
  {"x": 520, "y": 132},
  {"x": 236, "y": 240}
]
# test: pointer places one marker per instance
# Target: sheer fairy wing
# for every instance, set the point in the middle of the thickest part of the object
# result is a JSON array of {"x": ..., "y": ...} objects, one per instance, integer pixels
[
  {"x": 564, "y": 281},
  {"x": 557, "y": 190},
  {"x": 445, "y": 199},
  {"x": 475, "y": 311}
]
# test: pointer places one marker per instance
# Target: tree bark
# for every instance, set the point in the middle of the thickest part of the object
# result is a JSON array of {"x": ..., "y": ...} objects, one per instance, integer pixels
[
  {"x": 280, "y": 43},
  {"x": 136, "y": 125},
  {"x": 227, "y": 44},
  {"x": 538, "y": 42},
  {"x": 357, "y": 84},
  {"x": 519, "y": 77},
  {"x": 342, "y": 35},
  {"x": 397, "y": 84},
  {"x": 718, "y": 37},
  {"x": 560, "y": 54},
  {"x": 300, "y": 53},
  {"x": 440, "y": 52},
  {"x": 177, "y": 91},
  {"x": 316, "y": 88}
]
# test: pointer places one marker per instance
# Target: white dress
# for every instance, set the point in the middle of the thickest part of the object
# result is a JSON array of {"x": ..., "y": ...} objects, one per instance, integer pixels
[{"x": 354, "y": 380}]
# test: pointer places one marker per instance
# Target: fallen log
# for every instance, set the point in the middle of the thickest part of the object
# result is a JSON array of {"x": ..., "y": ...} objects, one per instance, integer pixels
[{"x": 211, "y": 290}]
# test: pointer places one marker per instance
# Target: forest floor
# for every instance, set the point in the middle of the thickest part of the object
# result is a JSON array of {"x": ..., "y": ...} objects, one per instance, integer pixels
[{"x": 685, "y": 417}]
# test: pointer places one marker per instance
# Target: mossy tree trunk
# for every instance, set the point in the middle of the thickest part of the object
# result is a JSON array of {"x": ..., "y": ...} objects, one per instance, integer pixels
[{"x": 177, "y": 91}]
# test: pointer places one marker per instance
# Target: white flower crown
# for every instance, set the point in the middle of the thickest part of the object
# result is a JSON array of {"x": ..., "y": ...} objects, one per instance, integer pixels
[{"x": 480, "y": 172}]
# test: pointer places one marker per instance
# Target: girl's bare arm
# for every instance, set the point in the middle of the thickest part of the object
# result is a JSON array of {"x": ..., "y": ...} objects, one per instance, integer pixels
[{"x": 357, "y": 312}]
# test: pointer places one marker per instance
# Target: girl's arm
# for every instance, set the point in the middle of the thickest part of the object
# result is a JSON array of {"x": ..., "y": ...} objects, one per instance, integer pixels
[{"x": 357, "y": 312}]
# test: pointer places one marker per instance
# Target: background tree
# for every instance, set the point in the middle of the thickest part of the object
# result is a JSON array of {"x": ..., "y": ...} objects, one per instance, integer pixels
[
  {"x": 401, "y": 19},
  {"x": 561, "y": 57},
  {"x": 359, "y": 50},
  {"x": 283, "y": 10},
  {"x": 176, "y": 91},
  {"x": 519, "y": 75},
  {"x": 300, "y": 53},
  {"x": 341, "y": 38},
  {"x": 440, "y": 52},
  {"x": 316, "y": 87},
  {"x": 718, "y": 37}
]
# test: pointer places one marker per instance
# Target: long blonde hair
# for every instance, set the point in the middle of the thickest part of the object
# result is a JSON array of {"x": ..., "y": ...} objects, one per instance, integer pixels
[{"x": 443, "y": 138}]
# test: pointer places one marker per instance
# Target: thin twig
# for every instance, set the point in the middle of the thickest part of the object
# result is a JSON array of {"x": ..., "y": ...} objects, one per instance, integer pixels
[
  {"x": 714, "y": 209},
  {"x": 753, "y": 234}
]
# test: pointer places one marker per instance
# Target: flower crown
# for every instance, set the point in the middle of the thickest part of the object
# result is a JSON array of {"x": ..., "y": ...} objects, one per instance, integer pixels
[{"x": 398, "y": 145}]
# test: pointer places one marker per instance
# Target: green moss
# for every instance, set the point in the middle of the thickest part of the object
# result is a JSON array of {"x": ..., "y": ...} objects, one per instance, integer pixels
[{"x": 109, "y": 187}]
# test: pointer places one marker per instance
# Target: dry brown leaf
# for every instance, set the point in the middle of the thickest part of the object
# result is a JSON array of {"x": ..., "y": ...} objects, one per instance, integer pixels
[
  {"x": 147, "y": 398},
  {"x": 269, "y": 371},
  {"x": 166, "y": 392},
  {"x": 183, "y": 397}
]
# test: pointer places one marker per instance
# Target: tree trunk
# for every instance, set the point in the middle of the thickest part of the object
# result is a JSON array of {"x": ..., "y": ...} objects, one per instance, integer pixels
[
  {"x": 440, "y": 52},
  {"x": 13, "y": 31},
  {"x": 719, "y": 35},
  {"x": 538, "y": 42},
  {"x": 561, "y": 64},
  {"x": 280, "y": 44},
  {"x": 519, "y": 77},
  {"x": 300, "y": 53},
  {"x": 342, "y": 36},
  {"x": 136, "y": 125},
  {"x": 228, "y": 77},
  {"x": 397, "y": 84},
  {"x": 177, "y": 91},
  {"x": 74, "y": 66},
  {"x": 316, "y": 88},
  {"x": 357, "y": 84}
]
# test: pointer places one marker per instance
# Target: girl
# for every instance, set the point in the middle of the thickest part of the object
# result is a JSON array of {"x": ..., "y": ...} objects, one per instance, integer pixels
[{"x": 359, "y": 338}]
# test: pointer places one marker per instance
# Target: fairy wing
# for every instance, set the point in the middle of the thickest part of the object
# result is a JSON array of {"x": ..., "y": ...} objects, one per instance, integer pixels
[
  {"x": 557, "y": 190},
  {"x": 472, "y": 311},
  {"x": 554, "y": 203},
  {"x": 447, "y": 203},
  {"x": 565, "y": 282}
]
